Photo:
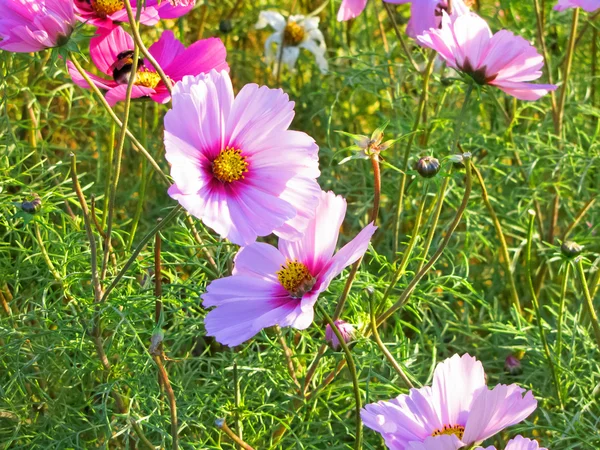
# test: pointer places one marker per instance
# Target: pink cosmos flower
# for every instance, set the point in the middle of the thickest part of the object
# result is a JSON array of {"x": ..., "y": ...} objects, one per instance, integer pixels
[
  {"x": 586, "y": 5},
  {"x": 502, "y": 60},
  {"x": 458, "y": 403},
  {"x": 235, "y": 164},
  {"x": 518, "y": 443},
  {"x": 424, "y": 14},
  {"x": 111, "y": 51},
  {"x": 34, "y": 25},
  {"x": 107, "y": 13},
  {"x": 346, "y": 330},
  {"x": 280, "y": 286}
]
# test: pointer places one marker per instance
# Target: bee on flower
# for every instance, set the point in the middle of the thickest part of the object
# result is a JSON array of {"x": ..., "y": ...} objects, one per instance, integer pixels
[{"x": 290, "y": 36}]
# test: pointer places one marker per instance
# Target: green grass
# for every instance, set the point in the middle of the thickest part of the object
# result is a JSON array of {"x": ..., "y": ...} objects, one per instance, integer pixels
[{"x": 54, "y": 393}]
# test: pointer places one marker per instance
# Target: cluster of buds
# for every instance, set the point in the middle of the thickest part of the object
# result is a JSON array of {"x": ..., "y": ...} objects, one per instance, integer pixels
[{"x": 346, "y": 330}]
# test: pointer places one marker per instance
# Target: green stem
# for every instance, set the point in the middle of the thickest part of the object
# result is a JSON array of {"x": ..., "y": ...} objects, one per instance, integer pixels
[
  {"x": 567, "y": 71},
  {"x": 589, "y": 303},
  {"x": 434, "y": 224},
  {"x": 503, "y": 246},
  {"x": 459, "y": 213},
  {"x": 561, "y": 309},
  {"x": 461, "y": 117},
  {"x": 536, "y": 307},
  {"x": 159, "y": 226},
  {"x": 409, "y": 144},
  {"x": 547, "y": 66},
  {"x": 109, "y": 164},
  {"x": 383, "y": 348},
  {"x": 407, "y": 53},
  {"x": 352, "y": 369}
]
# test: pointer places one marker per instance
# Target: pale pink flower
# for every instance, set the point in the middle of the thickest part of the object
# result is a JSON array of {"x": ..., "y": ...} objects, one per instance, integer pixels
[
  {"x": 451, "y": 442},
  {"x": 107, "y": 13},
  {"x": 502, "y": 60},
  {"x": 346, "y": 330},
  {"x": 586, "y": 5},
  {"x": 34, "y": 25},
  {"x": 235, "y": 164},
  {"x": 111, "y": 51},
  {"x": 280, "y": 286},
  {"x": 518, "y": 443},
  {"x": 458, "y": 403},
  {"x": 350, "y": 9}
]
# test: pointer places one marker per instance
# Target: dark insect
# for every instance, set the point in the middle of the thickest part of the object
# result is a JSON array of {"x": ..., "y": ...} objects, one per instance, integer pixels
[{"x": 121, "y": 68}]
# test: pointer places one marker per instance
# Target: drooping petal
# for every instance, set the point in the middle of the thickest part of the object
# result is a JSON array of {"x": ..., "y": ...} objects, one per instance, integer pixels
[
  {"x": 455, "y": 383},
  {"x": 350, "y": 9},
  {"x": 496, "y": 409},
  {"x": 524, "y": 91},
  {"x": 318, "y": 50},
  {"x": 80, "y": 81},
  {"x": 316, "y": 248},
  {"x": 272, "y": 18}
]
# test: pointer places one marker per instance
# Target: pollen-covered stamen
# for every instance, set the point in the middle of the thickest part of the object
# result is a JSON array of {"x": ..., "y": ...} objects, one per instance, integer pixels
[
  {"x": 147, "y": 78},
  {"x": 295, "y": 278},
  {"x": 104, "y": 8},
  {"x": 449, "y": 430},
  {"x": 293, "y": 34},
  {"x": 230, "y": 165}
]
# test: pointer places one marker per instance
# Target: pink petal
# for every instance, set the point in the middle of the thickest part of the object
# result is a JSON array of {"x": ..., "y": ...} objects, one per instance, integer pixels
[
  {"x": 80, "y": 81},
  {"x": 316, "y": 247},
  {"x": 521, "y": 443},
  {"x": 497, "y": 409},
  {"x": 240, "y": 287},
  {"x": 455, "y": 383},
  {"x": 348, "y": 254},
  {"x": 106, "y": 45},
  {"x": 200, "y": 57},
  {"x": 259, "y": 260},
  {"x": 512, "y": 58},
  {"x": 118, "y": 93},
  {"x": 444, "y": 442},
  {"x": 350, "y": 9},
  {"x": 472, "y": 35},
  {"x": 405, "y": 419},
  {"x": 524, "y": 91},
  {"x": 586, "y": 5},
  {"x": 165, "y": 49}
]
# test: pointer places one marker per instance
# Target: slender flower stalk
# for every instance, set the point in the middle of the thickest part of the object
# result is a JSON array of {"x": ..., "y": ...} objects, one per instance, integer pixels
[
  {"x": 434, "y": 223},
  {"x": 352, "y": 369},
  {"x": 420, "y": 109},
  {"x": 459, "y": 213},
  {"x": 567, "y": 72},
  {"x": 539, "y": 20},
  {"x": 287, "y": 353},
  {"x": 407, "y": 52},
  {"x": 589, "y": 303},
  {"x": 536, "y": 307},
  {"x": 502, "y": 239},
  {"x": 234, "y": 437},
  {"x": 561, "y": 310},
  {"x": 383, "y": 348}
]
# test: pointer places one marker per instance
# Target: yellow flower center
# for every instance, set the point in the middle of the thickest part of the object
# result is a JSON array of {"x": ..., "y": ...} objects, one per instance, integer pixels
[
  {"x": 230, "y": 165},
  {"x": 147, "y": 78},
  {"x": 105, "y": 8},
  {"x": 450, "y": 430},
  {"x": 295, "y": 278},
  {"x": 293, "y": 34}
]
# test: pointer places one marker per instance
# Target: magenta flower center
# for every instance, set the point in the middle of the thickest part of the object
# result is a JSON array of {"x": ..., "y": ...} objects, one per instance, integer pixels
[
  {"x": 293, "y": 34},
  {"x": 457, "y": 430},
  {"x": 295, "y": 278},
  {"x": 104, "y": 8},
  {"x": 230, "y": 165}
]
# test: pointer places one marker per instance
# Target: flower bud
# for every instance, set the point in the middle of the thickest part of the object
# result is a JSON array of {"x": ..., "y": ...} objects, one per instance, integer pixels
[
  {"x": 225, "y": 26},
  {"x": 571, "y": 249},
  {"x": 428, "y": 167},
  {"x": 32, "y": 206},
  {"x": 512, "y": 365},
  {"x": 346, "y": 330}
]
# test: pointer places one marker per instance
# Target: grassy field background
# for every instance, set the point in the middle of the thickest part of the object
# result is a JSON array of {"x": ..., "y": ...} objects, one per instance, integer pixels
[{"x": 54, "y": 392}]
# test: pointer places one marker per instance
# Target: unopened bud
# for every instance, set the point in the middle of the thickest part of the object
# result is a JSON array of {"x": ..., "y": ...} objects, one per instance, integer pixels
[
  {"x": 571, "y": 249},
  {"x": 512, "y": 365},
  {"x": 346, "y": 330},
  {"x": 32, "y": 206},
  {"x": 428, "y": 167},
  {"x": 225, "y": 26}
]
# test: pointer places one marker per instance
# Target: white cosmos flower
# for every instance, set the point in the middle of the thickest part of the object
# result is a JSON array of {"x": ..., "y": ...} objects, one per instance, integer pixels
[{"x": 296, "y": 33}]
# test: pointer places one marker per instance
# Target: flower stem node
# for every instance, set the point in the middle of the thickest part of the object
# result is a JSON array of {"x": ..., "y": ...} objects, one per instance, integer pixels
[
  {"x": 571, "y": 249},
  {"x": 428, "y": 167}
]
